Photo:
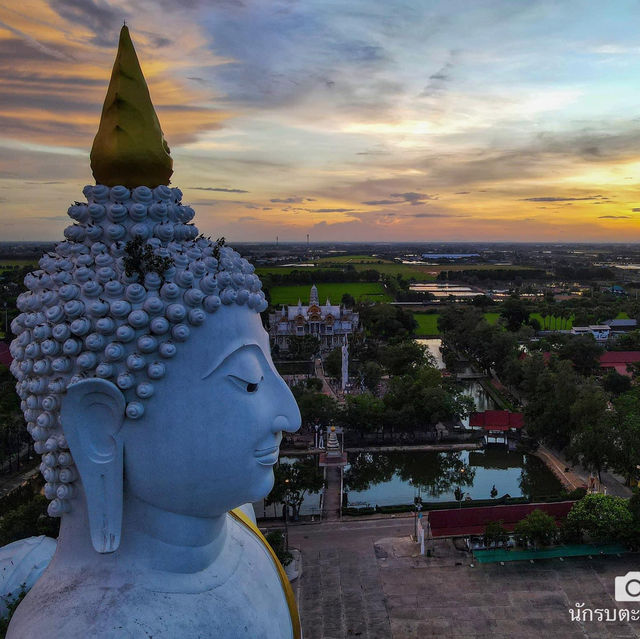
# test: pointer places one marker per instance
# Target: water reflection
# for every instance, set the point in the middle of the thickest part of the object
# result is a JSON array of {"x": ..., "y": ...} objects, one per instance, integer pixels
[
  {"x": 433, "y": 347},
  {"x": 396, "y": 477},
  {"x": 470, "y": 388}
]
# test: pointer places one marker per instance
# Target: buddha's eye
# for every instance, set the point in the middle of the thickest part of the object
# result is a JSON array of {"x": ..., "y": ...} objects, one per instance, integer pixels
[{"x": 245, "y": 385}]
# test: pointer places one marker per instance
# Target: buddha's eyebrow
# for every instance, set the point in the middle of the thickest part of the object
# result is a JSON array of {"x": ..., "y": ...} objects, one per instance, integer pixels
[{"x": 235, "y": 348}]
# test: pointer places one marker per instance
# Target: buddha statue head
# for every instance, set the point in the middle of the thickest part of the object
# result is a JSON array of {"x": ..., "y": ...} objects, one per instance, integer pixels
[{"x": 142, "y": 364}]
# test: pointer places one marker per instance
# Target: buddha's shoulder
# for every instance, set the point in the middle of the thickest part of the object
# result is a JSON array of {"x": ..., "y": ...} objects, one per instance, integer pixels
[{"x": 247, "y": 601}]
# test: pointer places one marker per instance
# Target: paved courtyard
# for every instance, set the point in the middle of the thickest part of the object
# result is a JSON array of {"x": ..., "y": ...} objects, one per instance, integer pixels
[{"x": 365, "y": 579}]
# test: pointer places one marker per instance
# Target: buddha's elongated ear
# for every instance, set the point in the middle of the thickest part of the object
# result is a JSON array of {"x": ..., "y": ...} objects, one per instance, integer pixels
[{"x": 92, "y": 415}]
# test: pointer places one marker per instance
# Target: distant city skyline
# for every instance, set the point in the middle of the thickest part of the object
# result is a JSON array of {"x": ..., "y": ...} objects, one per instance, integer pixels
[{"x": 360, "y": 121}]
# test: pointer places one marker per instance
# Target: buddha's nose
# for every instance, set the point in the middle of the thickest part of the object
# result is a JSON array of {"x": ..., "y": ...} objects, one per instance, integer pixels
[{"x": 288, "y": 416}]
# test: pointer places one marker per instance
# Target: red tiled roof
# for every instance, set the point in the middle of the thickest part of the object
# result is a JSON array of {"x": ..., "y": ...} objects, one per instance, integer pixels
[
  {"x": 496, "y": 420},
  {"x": 472, "y": 521},
  {"x": 619, "y": 357}
]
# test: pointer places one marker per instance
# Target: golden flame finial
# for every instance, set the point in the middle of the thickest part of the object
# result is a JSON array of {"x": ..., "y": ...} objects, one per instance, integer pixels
[{"x": 129, "y": 148}]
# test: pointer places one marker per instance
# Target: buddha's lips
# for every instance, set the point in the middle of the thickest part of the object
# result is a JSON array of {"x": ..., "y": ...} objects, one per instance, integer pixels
[{"x": 267, "y": 456}]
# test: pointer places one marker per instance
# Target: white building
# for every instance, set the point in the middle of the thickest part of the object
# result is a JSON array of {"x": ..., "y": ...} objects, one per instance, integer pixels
[
  {"x": 329, "y": 323},
  {"x": 600, "y": 332}
]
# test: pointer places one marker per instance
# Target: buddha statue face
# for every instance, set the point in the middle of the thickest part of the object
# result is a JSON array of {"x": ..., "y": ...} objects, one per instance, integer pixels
[{"x": 209, "y": 437}]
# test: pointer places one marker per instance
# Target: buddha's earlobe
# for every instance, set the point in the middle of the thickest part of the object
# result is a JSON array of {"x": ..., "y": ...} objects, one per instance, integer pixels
[{"x": 92, "y": 415}]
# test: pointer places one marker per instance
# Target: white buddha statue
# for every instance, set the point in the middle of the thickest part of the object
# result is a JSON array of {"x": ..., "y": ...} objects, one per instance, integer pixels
[{"x": 148, "y": 386}]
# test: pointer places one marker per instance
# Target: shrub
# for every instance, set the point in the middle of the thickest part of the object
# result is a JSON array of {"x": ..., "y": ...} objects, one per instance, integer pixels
[
  {"x": 28, "y": 520},
  {"x": 604, "y": 518},
  {"x": 276, "y": 541},
  {"x": 494, "y": 533},
  {"x": 537, "y": 528}
]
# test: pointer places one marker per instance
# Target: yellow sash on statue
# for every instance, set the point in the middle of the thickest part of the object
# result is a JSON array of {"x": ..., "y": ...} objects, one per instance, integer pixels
[{"x": 237, "y": 514}]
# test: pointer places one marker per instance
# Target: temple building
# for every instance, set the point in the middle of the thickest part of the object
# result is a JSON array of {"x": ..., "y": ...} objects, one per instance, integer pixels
[{"x": 329, "y": 323}]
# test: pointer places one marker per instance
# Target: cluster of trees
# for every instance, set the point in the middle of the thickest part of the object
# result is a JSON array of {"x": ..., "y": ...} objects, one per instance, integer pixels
[
  {"x": 595, "y": 419},
  {"x": 384, "y": 322},
  {"x": 598, "y": 423},
  {"x": 465, "y": 330},
  {"x": 15, "y": 441},
  {"x": 594, "y": 518},
  {"x": 415, "y": 396}
]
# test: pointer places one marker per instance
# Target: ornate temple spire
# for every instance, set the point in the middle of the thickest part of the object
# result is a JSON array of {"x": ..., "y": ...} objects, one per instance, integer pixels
[
  {"x": 313, "y": 296},
  {"x": 129, "y": 148}
]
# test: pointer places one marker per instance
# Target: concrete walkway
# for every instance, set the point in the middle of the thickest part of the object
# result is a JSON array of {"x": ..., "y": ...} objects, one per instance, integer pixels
[
  {"x": 331, "y": 505},
  {"x": 366, "y": 579},
  {"x": 578, "y": 476}
]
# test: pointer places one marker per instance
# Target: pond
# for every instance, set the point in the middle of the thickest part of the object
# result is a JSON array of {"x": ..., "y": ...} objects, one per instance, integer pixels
[{"x": 393, "y": 478}]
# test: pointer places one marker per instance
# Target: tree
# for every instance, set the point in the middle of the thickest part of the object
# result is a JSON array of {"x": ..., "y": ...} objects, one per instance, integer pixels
[
  {"x": 303, "y": 346},
  {"x": 494, "y": 533},
  {"x": 333, "y": 363},
  {"x": 625, "y": 435},
  {"x": 583, "y": 351},
  {"x": 383, "y": 321},
  {"x": 549, "y": 397},
  {"x": 293, "y": 481},
  {"x": 371, "y": 375},
  {"x": 348, "y": 300},
  {"x": 363, "y": 413},
  {"x": 615, "y": 383},
  {"x": 591, "y": 426},
  {"x": 537, "y": 528},
  {"x": 604, "y": 518},
  {"x": 276, "y": 540},
  {"x": 402, "y": 357},
  {"x": 316, "y": 408},
  {"x": 515, "y": 313}
]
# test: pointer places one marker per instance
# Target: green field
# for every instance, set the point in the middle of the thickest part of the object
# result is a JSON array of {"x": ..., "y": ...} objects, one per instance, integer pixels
[
  {"x": 551, "y": 322},
  {"x": 371, "y": 291},
  {"x": 428, "y": 322}
]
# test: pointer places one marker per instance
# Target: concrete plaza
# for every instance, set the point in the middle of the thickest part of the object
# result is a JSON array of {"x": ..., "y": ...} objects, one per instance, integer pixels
[{"x": 365, "y": 579}]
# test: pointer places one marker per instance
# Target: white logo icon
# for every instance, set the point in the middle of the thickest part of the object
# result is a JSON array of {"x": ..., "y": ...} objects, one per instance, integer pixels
[{"x": 628, "y": 587}]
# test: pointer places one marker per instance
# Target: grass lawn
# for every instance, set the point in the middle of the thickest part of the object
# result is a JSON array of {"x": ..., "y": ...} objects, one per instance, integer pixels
[
  {"x": 372, "y": 291},
  {"x": 491, "y": 318},
  {"x": 427, "y": 323}
]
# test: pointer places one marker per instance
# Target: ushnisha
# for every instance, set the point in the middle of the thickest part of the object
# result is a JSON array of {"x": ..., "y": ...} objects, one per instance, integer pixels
[{"x": 84, "y": 316}]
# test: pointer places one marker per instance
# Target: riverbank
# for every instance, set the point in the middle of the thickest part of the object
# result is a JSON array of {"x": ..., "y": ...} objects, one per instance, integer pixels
[{"x": 574, "y": 476}]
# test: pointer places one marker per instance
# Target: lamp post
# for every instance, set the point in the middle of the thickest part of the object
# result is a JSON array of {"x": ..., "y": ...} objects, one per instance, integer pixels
[{"x": 286, "y": 513}]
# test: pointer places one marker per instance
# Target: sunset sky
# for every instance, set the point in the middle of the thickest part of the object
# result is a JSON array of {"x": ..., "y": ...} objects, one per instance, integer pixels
[{"x": 348, "y": 120}]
